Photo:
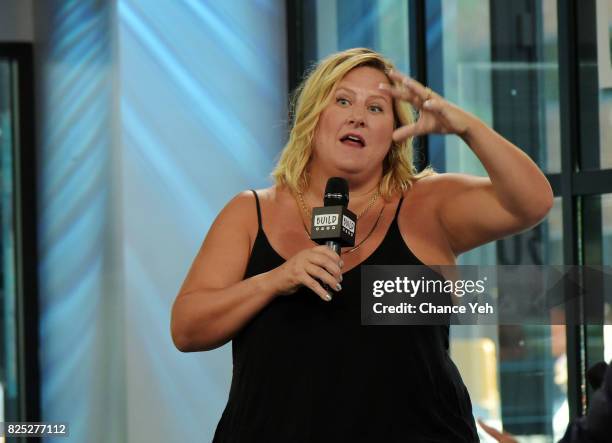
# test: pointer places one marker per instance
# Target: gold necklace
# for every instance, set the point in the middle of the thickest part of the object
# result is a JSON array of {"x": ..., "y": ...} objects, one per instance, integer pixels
[
  {"x": 307, "y": 211},
  {"x": 367, "y": 236}
]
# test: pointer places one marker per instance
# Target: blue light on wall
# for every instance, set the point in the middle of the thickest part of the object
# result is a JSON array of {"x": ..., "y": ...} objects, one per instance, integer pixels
[{"x": 153, "y": 114}]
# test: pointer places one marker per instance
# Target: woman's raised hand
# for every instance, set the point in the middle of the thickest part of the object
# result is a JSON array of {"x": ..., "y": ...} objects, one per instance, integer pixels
[
  {"x": 436, "y": 115},
  {"x": 305, "y": 268}
]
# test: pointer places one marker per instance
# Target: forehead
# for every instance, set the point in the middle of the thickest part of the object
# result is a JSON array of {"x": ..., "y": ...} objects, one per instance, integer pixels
[{"x": 364, "y": 77}]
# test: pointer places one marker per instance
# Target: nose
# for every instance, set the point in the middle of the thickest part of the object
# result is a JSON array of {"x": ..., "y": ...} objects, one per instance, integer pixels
[{"x": 356, "y": 119}]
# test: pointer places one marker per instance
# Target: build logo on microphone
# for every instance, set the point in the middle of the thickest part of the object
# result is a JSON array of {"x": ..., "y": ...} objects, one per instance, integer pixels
[
  {"x": 325, "y": 222},
  {"x": 348, "y": 225}
]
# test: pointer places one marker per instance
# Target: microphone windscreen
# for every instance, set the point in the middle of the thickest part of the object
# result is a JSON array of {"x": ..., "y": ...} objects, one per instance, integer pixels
[{"x": 336, "y": 192}]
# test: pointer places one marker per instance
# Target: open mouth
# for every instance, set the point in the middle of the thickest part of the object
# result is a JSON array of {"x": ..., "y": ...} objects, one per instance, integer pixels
[{"x": 353, "y": 140}]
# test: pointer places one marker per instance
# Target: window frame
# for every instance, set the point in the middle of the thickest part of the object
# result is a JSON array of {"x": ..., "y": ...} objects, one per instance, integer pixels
[
  {"x": 20, "y": 55},
  {"x": 580, "y": 144}
]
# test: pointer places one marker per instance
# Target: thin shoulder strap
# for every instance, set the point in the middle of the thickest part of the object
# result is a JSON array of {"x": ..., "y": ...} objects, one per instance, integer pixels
[
  {"x": 258, "y": 209},
  {"x": 399, "y": 206}
]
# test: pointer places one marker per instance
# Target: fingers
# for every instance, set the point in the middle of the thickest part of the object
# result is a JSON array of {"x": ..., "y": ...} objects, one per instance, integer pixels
[
  {"x": 403, "y": 132},
  {"x": 323, "y": 276},
  {"x": 324, "y": 266},
  {"x": 318, "y": 268},
  {"x": 411, "y": 84},
  {"x": 408, "y": 89},
  {"x": 434, "y": 105},
  {"x": 402, "y": 93},
  {"x": 325, "y": 269},
  {"x": 331, "y": 265},
  {"x": 328, "y": 252},
  {"x": 316, "y": 287}
]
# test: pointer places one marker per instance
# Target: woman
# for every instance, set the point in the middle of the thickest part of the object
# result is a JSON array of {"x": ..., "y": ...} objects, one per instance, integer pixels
[{"x": 304, "y": 367}]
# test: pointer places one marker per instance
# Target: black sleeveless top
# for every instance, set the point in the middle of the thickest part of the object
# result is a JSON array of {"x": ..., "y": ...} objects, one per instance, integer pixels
[{"x": 305, "y": 370}]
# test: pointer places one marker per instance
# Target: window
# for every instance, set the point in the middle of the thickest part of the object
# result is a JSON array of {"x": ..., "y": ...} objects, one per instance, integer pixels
[
  {"x": 19, "y": 390},
  {"x": 507, "y": 63}
]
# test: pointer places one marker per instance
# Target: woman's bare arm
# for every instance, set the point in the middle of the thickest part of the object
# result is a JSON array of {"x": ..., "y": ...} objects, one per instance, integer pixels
[
  {"x": 206, "y": 319},
  {"x": 475, "y": 210},
  {"x": 215, "y": 302},
  {"x": 515, "y": 196}
]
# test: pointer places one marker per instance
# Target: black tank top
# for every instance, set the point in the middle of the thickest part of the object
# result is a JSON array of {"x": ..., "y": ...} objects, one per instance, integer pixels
[{"x": 305, "y": 370}]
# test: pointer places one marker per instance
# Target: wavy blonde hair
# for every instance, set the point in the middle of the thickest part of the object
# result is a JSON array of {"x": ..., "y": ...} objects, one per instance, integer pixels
[{"x": 310, "y": 99}]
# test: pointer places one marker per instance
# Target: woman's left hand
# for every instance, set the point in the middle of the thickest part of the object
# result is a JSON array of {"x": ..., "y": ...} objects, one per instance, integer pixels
[{"x": 436, "y": 115}]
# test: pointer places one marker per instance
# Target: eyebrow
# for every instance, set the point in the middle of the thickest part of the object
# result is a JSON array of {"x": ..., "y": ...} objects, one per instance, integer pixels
[{"x": 353, "y": 92}]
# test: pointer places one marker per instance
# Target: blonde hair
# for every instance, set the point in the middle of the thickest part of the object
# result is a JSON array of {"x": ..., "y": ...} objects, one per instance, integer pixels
[{"x": 310, "y": 99}]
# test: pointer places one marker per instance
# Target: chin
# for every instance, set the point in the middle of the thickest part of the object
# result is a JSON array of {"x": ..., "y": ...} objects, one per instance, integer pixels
[{"x": 350, "y": 167}]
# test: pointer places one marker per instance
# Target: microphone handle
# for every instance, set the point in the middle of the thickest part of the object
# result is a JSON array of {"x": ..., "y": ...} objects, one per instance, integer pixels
[{"x": 334, "y": 246}]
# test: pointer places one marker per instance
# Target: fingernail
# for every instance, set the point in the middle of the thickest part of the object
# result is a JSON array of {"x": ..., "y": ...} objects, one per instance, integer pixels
[
  {"x": 340, "y": 277},
  {"x": 328, "y": 297},
  {"x": 340, "y": 263},
  {"x": 338, "y": 286},
  {"x": 382, "y": 85}
]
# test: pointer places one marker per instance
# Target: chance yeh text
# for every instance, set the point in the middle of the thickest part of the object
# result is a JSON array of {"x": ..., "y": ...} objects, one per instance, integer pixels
[{"x": 429, "y": 308}]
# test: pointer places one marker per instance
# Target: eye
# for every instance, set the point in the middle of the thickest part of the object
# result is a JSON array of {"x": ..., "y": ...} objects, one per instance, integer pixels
[
  {"x": 377, "y": 109},
  {"x": 342, "y": 101}
]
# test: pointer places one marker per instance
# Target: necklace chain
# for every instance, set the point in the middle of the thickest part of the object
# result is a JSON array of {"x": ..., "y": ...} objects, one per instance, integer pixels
[{"x": 307, "y": 212}]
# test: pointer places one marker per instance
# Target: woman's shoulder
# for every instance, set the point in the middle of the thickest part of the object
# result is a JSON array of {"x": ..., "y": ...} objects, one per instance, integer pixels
[
  {"x": 274, "y": 199},
  {"x": 244, "y": 204},
  {"x": 441, "y": 183},
  {"x": 248, "y": 196},
  {"x": 270, "y": 193},
  {"x": 421, "y": 186},
  {"x": 240, "y": 213},
  {"x": 427, "y": 192}
]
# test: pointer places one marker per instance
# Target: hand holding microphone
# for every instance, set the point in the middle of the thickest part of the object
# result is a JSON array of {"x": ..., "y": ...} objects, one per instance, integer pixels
[
  {"x": 332, "y": 226},
  {"x": 317, "y": 268}
]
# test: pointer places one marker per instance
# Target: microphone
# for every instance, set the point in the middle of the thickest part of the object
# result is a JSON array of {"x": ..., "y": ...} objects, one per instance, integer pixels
[{"x": 333, "y": 224}]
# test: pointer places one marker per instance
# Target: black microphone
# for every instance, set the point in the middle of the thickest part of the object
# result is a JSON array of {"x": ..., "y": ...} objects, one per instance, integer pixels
[{"x": 333, "y": 224}]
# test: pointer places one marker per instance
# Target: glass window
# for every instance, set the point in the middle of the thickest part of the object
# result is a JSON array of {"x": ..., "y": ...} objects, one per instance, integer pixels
[
  {"x": 498, "y": 60},
  {"x": 606, "y": 213},
  {"x": 604, "y": 64},
  {"x": 516, "y": 375},
  {"x": 512, "y": 90},
  {"x": 381, "y": 25},
  {"x": 8, "y": 341},
  {"x": 598, "y": 221}
]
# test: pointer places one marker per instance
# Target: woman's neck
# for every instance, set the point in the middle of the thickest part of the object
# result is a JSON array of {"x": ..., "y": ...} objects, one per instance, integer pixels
[{"x": 359, "y": 187}]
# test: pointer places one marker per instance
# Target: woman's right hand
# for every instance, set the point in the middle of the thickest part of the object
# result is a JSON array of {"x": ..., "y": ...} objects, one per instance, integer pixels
[{"x": 310, "y": 268}]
